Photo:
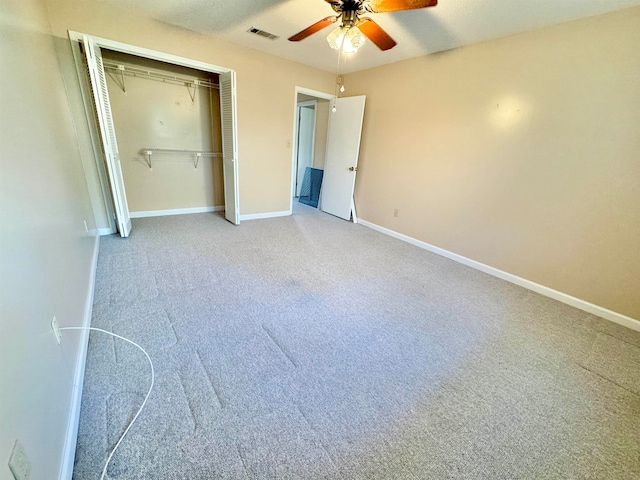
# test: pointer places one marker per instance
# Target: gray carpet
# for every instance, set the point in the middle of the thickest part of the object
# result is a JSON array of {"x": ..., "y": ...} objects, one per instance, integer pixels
[{"x": 306, "y": 347}]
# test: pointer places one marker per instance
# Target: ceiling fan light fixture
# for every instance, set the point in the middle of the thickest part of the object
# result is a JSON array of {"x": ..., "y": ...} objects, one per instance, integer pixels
[
  {"x": 335, "y": 38},
  {"x": 353, "y": 40},
  {"x": 349, "y": 38}
]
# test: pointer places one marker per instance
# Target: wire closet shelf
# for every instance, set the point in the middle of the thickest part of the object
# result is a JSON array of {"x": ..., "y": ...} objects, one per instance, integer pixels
[
  {"x": 118, "y": 69},
  {"x": 195, "y": 154}
]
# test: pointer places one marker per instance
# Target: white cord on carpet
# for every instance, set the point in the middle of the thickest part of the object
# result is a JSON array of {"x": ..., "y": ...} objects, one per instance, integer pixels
[{"x": 104, "y": 470}]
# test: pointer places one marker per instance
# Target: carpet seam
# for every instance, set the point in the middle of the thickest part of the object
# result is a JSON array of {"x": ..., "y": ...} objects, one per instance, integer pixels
[
  {"x": 284, "y": 352},
  {"x": 608, "y": 380},
  {"x": 242, "y": 459},
  {"x": 206, "y": 373},
  {"x": 313, "y": 429}
]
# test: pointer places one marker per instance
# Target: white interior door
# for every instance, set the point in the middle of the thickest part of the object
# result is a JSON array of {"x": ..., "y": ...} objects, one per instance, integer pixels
[
  {"x": 343, "y": 147},
  {"x": 229, "y": 146},
  {"x": 306, "y": 131},
  {"x": 108, "y": 134}
]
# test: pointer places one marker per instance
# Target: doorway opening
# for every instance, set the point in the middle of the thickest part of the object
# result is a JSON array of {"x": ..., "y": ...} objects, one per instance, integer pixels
[
  {"x": 305, "y": 141},
  {"x": 311, "y": 122},
  {"x": 329, "y": 176}
]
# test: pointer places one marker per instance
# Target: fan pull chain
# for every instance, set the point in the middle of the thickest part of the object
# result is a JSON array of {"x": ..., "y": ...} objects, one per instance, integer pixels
[{"x": 337, "y": 78}]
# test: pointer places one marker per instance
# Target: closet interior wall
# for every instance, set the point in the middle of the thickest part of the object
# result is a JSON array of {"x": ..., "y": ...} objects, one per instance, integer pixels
[{"x": 157, "y": 115}]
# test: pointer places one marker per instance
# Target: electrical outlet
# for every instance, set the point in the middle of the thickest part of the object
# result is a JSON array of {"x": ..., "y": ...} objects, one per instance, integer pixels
[
  {"x": 56, "y": 329},
  {"x": 395, "y": 212},
  {"x": 19, "y": 462}
]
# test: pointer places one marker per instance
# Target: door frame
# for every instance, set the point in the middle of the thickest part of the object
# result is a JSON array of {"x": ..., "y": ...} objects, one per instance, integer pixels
[
  {"x": 153, "y": 55},
  {"x": 294, "y": 152}
]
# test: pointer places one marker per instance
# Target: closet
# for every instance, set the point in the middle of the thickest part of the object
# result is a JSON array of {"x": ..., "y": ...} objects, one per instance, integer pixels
[
  {"x": 167, "y": 133},
  {"x": 167, "y": 122}
]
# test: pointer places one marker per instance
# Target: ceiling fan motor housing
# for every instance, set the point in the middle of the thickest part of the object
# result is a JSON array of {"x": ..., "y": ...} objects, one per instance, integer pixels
[
  {"x": 349, "y": 18},
  {"x": 349, "y": 9}
]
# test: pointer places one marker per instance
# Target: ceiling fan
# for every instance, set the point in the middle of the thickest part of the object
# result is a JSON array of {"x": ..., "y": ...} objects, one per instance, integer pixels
[{"x": 350, "y": 34}]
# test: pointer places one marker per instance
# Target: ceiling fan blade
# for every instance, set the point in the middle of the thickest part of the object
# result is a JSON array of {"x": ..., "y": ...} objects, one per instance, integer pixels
[
  {"x": 316, "y": 27},
  {"x": 380, "y": 6},
  {"x": 376, "y": 34}
]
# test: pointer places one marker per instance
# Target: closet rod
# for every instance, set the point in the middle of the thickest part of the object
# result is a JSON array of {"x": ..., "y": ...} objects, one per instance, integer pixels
[
  {"x": 197, "y": 154},
  {"x": 157, "y": 76}
]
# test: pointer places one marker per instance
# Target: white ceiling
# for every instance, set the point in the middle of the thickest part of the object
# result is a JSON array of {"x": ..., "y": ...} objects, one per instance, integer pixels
[{"x": 452, "y": 23}]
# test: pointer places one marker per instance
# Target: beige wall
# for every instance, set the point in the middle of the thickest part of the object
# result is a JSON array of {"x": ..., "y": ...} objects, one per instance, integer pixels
[
  {"x": 266, "y": 86},
  {"x": 152, "y": 114},
  {"x": 522, "y": 153},
  {"x": 45, "y": 252}
]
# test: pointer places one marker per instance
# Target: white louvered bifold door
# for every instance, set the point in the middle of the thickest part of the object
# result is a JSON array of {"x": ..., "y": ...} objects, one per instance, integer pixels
[
  {"x": 108, "y": 134},
  {"x": 229, "y": 145}
]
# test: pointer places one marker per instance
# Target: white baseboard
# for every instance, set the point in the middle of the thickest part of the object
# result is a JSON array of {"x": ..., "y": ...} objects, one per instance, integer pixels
[
  {"x": 175, "y": 211},
  {"x": 259, "y": 216},
  {"x": 102, "y": 231},
  {"x": 605, "y": 313},
  {"x": 69, "y": 452}
]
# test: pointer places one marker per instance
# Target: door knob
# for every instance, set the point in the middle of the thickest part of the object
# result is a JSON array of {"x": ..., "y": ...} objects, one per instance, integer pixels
[{"x": 353, "y": 169}]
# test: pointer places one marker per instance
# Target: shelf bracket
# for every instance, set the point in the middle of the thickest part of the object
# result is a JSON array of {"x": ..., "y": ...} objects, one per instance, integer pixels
[
  {"x": 149, "y": 153},
  {"x": 119, "y": 80},
  {"x": 124, "y": 86},
  {"x": 189, "y": 86},
  {"x": 197, "y": 159}
]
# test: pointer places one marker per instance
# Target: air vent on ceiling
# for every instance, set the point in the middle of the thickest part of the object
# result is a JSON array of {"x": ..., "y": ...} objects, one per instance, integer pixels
[{"x": 262, "y": 33}]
